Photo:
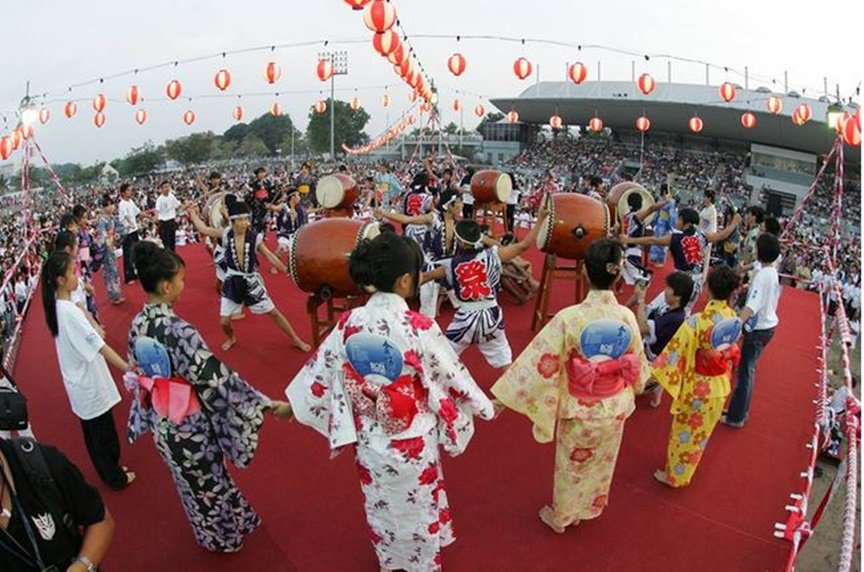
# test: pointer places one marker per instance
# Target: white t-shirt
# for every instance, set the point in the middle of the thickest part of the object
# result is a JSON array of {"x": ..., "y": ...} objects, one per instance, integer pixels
[
  {"x": 128, "y": 212},
  {"x": 89, "y": 384},
  {"x": 763, "y": 298},
  {"x": 166, "y": 206},
  {"x": 708, "y": 219}
]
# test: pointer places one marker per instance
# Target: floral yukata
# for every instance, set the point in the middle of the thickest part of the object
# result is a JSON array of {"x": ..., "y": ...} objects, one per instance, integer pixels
[
  {"x": 106, "y": 232},
  {"x": 194, "y": 431},
  {"x": 663, "y": 224},
  {"x": 386, "y": 382},
  {"x": 695, "y": 368},
  {"x": 576, "y": 381}
]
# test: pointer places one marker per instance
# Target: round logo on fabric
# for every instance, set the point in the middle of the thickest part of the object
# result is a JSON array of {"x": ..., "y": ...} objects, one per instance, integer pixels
[
  {"x": 152, "y": 357},
  {"x": 372, "y": 355},
  {"x": 605, "y": 339},
  {"x": 725, "y": 333}
]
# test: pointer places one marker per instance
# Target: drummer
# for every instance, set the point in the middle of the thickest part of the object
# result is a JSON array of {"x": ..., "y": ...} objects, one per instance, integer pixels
[{"x": 633, "y": 226}]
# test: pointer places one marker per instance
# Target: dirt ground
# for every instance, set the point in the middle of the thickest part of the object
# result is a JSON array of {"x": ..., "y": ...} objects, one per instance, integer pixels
[{"x": 822, "y": 551}]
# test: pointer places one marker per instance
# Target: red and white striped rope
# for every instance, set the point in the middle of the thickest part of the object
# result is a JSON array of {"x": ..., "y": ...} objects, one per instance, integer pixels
[{"x": 51, "y": 172}]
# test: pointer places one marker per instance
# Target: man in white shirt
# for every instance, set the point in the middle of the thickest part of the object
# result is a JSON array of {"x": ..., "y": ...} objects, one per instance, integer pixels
[
  {"x": 708, "y": 224},
  {"x": 128, "y": 212},
  {"x": 166, "y": 209},
  {"x": 760, "y": 321}
]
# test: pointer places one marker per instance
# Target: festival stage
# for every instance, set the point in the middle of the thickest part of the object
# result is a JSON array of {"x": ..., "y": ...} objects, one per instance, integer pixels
[{"x": 312, "y": 506}]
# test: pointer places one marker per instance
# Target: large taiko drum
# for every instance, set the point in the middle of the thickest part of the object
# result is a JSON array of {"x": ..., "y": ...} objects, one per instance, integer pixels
[
  {"x": 574, "y": 222},
  {"x": 213, "y": 213},
  {"x": 617, "y": 199},
  {"x": 318, "y": 255},
  {"x": 491, "y": 186},
  {"x": 337, "y": 193}
]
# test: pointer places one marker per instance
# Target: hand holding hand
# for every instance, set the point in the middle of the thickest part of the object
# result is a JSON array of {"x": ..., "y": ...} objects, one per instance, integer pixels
[{"x": 281, "y": 410}]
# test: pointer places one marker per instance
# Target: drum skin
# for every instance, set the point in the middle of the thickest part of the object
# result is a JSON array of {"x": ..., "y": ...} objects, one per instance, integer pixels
[
  {"x": 318, "y": 255},
  {"x": 337, "y": 193},
  {"x": 491, "y": 186},
  {"x": 213, "y": 210},
  {"x": 616, "y": 200},
  {"x": 574, "y": 222}
]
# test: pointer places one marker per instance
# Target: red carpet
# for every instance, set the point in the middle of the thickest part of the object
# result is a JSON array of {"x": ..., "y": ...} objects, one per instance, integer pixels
[{"x": 312, "y": 507}]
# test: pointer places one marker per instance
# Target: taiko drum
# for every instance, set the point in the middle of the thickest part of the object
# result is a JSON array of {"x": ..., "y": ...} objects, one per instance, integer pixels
[
  {"x": 337, "y": 193},
  {"x": 213, "y": 210},
  {"x": 574, "y": 222},
  {"x": 491, "y": 186},
  {"x": 617, "y": 199}
]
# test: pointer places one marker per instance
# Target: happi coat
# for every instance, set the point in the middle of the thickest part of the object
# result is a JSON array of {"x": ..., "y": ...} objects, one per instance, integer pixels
[
  {"x": 576, "y": 381},
  {"x": 386, "y": 383}
]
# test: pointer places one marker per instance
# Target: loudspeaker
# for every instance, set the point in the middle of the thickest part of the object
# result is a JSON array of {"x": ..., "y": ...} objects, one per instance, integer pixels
[{"x": 774, "y": 207}]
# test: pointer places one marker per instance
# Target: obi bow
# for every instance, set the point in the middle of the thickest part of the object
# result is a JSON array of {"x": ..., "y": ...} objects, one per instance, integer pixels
[
  {"x": 393, "y": 405},
  {"x": 170, "y": 397},
  {"x": 717, "y": 362},
  {"x": 589, "y": 380}
]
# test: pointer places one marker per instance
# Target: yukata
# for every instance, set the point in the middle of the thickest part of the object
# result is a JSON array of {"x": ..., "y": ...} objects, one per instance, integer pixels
[
  {"x": 196, "y": 430},
  {"x": 695, "y": 368},
  {"x": 663, "y": 224},
  {"x": 106, "y": 232},
  {"x": 243, "y": 285},
  {"x": 387, "y": 383},
  {"x": 417, "y": 203},
  {"x": 288, "y": 222},
  {"x": 88, "y": 263},
  {"x": 634, "y": 270},
  {"x": 577, "y": 381},
  {"x": 687, "y": 248},
  {"x": 475, "y": 276}
]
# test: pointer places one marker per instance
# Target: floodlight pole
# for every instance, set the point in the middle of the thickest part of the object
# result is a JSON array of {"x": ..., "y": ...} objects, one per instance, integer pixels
[{"x": 339, "y": 60}]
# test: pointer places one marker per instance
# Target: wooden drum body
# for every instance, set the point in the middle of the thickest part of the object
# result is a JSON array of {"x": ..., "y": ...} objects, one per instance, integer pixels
[
  {"x": 213, "y": 213},
  {"x": 617, "y": 199},
  {"x": 574, "y": 222},
  {"x": 491, "y": 186},
  {"x": 318, "y": 255},
  {"x": 337, "y": 193}
]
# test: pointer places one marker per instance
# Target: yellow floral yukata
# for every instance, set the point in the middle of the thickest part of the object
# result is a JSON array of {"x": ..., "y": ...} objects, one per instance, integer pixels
[
  {"x": 695, "y": 368},
  {"x": 589, "y": 429}
]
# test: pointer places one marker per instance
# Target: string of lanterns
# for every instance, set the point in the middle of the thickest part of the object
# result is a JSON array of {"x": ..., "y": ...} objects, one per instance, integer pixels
[{"x": 396, "y": 129}]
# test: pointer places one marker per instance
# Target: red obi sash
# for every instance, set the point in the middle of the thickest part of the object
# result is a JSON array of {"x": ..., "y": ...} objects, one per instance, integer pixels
[
  {"x": 394, "y": 405},
  {"x": 592, "y": 381},
  {"x": 717, "y": 362},
  {"x": 171, "y": 397}
]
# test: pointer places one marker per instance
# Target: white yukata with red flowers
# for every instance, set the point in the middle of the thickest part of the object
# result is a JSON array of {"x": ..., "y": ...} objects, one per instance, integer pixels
[{"x": 387, "y": 381}]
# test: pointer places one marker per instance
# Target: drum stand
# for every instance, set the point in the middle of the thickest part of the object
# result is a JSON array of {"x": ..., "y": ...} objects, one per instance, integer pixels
[
  {"x": 321, "y": 326},
  {"x": 489, "y": 216},
  {"x": 551, "y": 274}
]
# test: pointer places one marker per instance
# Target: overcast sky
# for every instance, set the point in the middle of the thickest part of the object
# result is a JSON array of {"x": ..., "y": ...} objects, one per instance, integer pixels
[{"x": 56, "y": 44}]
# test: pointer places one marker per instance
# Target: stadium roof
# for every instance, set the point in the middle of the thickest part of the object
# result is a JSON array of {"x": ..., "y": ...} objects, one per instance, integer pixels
[{"x": 670, "y": 106}]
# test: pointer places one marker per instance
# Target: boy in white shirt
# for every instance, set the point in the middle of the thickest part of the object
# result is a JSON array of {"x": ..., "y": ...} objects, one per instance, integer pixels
[
  {"x": 760, "y": 320},
  {"x": 166, "y": 209}
]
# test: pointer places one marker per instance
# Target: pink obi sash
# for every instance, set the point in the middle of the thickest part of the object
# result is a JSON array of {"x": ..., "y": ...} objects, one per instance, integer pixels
[
  {"x": 394, "y": 405},
  {"x": 717, "y": 362},
  {"x": 592, "y": 381},
  {"x": 171, "y": 397}
]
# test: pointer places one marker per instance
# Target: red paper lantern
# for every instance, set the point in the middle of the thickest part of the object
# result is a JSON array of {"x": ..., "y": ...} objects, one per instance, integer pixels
[
  {"x": 412, "y": 96},
  {"x": 555, "y": 122},
  {"x": 140, "y": 116},
  {"x": 796, "y": 119},
  {"x": 99, "y": 103},
  {"x": 775, "y": 104},
  {"x": 173, "y": 89},
  {"x": 324, "y": 70},
  {"x": 355, "y": 103},
  {"x": 513, "y": 116},
  {"x": 522, "y": 68},
  {"x": 479, "y": 111},
  {"x": 695, "y": 124},
  {"x": 222, "y": 79},
  {"x": 398, "y": 55},
  {"x": 70, "y": 109},
  {"x": 320, "y": 107},
  {"x": 748, "y": 120},
  {"x": 357, "y": 4},
  {"x": 595, "y": 125},
  {"x": 133, "y": 95},
  {"x": 189, "y": 117},
  {"x": 643, "y": 124},
  {"x": 841, "y": 122},
  {"x": 728, "y": 92},
  {"x": 456, "y": 64},
  {"x": 385, "y": 42},
  {"x": 44, "y": 115},
  {"x": 457, "y": 105},
  {"x": 852, "y": 130},
  {"x": 237, "y": 113},
  {"x": 276, "y": 109},
  {"x": 405, "y": 68},
  {"x": 413, "y": 79},
  {"x": 804, "y": 113},
  {"x": 99, "y": 119},
  {"x": 385, "y": 100},
  {"x": 577, "y": 72},
  {"x": 272, "y": 72},
  {"x": 26, "y": 131},
  {"x": 426, "y": 107},
  {"x": 5, "y": 147},
  {"x": 16, "y": 138},
  {"x": 380, "y": 16},
  {"x": 646, "y": 83}
]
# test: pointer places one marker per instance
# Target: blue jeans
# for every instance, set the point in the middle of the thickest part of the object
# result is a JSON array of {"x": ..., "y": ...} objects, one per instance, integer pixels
[{"x": 752, "y": 347}]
